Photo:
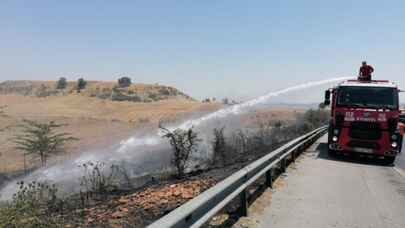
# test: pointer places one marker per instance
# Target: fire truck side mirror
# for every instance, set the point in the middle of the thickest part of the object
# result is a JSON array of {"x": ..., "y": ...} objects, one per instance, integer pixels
[{"x": 327, "y": 98}]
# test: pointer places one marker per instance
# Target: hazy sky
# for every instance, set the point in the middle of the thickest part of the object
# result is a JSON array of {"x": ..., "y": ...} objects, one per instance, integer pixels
[{"x": 207, "y": 47}]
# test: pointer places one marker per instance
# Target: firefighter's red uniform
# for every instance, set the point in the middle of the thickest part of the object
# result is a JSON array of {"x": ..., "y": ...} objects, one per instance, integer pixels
[{"x": 365, "y": 72}]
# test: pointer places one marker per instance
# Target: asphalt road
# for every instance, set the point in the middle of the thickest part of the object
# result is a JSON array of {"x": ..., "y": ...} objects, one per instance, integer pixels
[{"x": 336, "y": 192}]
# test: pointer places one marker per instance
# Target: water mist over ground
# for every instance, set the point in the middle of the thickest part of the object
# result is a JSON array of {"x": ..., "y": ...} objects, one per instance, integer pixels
[{"x": 146, "y": 152}]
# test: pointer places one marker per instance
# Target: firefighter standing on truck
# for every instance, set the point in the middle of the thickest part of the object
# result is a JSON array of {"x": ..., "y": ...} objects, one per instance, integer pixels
[{"x": 365, "y": 72}]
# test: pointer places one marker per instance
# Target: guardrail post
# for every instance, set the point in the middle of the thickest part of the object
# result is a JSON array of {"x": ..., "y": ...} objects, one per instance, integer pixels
[
  {"x": 269, "y": 178},
  {"x": 293, "y": 155},
  {"x": 283, "y": 165},
  {"x": 243, "y": 210}
]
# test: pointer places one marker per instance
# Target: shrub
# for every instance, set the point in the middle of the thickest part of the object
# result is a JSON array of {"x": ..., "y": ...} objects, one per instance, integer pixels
[
  {"x": 97, "y": 179},
  {"x": 62, "y": 83},
  {"x": 164, "y": 91},
  {"x": 43, "y": 91},
  {"x": 117, "y": 96},
  {"x": 124, "y": 82},
  {"x": 240, "y": 142},
  {"x": 154, "y": 97},
  {"x": 314, "y": 118},
  {"x": 219, "y": 146},
  {"x": 104, "y": 95},
  {"x": 184, "y": 143},
  {"x": 266, "y": 135},
  {"x": 32, "y": 206}
]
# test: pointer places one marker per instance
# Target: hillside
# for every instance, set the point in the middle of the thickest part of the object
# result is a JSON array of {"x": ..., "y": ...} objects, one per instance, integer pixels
[
  {"x": 98, "y": 89},
  {"x": 93, "y": 115}
]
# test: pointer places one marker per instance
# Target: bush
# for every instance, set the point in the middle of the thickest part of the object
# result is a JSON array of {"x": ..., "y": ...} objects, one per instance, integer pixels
[
  {"x": 154, "y": 97},
  {"x": 81, "y": 84},
  {"x": 117, "y": 96},
  {"x": 184, "y": 143},
  {"x": 219, "y": 146},
  {"x": 32, "y": 206},
  {"x": 62, "y": 83},
  {"x": 265, "y": 136},
  {"x": 97, "y": 179},
  {"x": 124, "y": 82},
  {"x": 315, "y": 118},
  {"x": 43, "y": 91},
  {"x": 165, "y": 92}
]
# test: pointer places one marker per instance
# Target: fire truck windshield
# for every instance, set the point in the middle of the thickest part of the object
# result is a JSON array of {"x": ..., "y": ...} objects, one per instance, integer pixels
[{"x": 368, "y": 97}]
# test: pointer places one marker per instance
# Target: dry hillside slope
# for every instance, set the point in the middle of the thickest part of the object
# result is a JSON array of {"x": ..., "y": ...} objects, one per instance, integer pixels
[
  {"x": 98, "y": 89},
  {"x": 96, "y": 122}
]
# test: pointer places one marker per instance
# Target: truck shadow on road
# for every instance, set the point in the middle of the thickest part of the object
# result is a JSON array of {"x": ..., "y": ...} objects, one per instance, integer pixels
[{"x": 323, "y": 153}]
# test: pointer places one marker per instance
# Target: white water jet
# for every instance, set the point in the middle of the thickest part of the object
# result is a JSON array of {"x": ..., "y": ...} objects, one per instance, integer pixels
[
  {"x": 238, "y": 109},
  {"x": 147, "y": 153}
]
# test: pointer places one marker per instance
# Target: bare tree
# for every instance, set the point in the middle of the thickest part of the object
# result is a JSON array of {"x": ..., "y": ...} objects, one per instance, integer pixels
[
  {"x": 40, "y": 139},
  {"x": 184, "y": 143},
  {"x": 219, "y": 145}
]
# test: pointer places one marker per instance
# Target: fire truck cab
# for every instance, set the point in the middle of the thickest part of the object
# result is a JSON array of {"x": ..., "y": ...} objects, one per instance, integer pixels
[{"x": 365, "y": 118}]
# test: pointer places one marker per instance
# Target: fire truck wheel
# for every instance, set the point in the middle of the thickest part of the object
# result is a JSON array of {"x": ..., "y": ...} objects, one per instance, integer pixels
[{"x": 389, "y": 160}]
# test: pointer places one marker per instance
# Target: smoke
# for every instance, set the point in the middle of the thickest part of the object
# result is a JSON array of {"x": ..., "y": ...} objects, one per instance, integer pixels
[{"x": 147, "y": 152}]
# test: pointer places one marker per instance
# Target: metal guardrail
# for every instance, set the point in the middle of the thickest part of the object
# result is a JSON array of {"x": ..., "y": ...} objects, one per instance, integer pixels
[{"x": 202, "y": 208}]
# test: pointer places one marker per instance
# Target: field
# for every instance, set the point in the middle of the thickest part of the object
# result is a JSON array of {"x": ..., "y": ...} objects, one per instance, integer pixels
[{"x": 94, "y": 121}]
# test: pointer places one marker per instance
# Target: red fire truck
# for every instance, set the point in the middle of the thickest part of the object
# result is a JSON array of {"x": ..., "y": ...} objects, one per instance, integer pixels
[{"x": 364, "y": 119}]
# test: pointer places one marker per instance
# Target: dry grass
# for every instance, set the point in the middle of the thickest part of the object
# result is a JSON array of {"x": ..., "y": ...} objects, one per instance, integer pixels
[
  {"x": 96, "y": 122},
  {"x": 99, "y": 123},
  {"x": 100, "y": 89}
]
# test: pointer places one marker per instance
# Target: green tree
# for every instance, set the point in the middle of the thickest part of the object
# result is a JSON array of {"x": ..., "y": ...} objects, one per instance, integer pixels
[
  {"x": 81, "y": 84},
  {"x": 40, "y": 139},
  {"x": 62, "y": 83},
  {"x": 124, "y": 82}
]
